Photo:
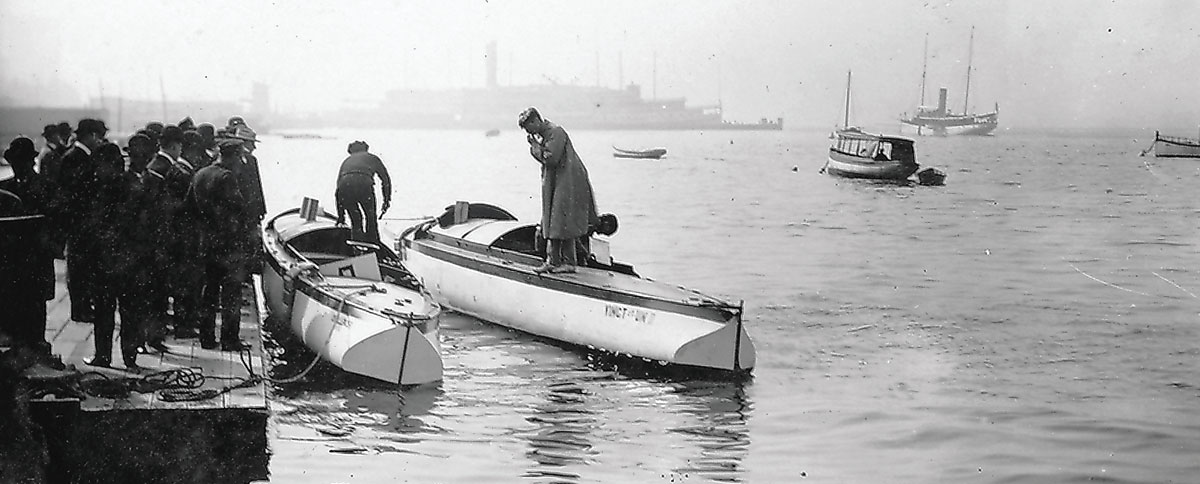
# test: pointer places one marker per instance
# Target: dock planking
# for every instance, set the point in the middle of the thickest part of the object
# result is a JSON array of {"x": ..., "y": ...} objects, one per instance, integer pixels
[
  {"x": 141, "y": 437},
  {"x": 73, "y": 341}
]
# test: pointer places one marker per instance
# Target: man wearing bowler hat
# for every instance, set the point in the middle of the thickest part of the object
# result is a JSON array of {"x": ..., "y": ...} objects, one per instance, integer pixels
[
  {"x": 181, "y": 237},
  {"x": 31, "y": 282},
  {"x": 78, "y": 184}
]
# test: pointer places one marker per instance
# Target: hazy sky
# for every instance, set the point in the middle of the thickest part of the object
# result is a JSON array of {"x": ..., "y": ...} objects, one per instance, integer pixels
[{"x": 1047, "y": 63}]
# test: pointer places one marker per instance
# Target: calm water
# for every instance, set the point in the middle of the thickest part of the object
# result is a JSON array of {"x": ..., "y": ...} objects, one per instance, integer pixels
[{"x": 1034, "y": 320}]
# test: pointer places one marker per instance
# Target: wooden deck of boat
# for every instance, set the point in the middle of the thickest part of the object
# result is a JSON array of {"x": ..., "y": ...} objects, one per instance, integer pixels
[{"x": 73, "y": 341}]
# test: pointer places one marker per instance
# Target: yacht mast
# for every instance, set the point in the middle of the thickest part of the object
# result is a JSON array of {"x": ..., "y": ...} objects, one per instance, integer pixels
[
  {"x": 924, "y": 69},
  {"x": 846, "y": 120},
  {"x": 970, "y": 53}
]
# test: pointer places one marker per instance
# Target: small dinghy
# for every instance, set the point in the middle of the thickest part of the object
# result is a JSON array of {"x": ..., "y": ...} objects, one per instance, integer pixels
[
  {"x": 351, "y": 302},
  {"x": 653, "y": 153},
  {"x": 479, "y": 260}
]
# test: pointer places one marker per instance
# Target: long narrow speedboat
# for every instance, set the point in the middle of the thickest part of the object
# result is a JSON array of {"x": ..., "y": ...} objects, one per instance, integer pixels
[
  {"x": 478, "y": 259},
  {"x": 1174, "y": 147},
  {"x": 350, "y": 302}
]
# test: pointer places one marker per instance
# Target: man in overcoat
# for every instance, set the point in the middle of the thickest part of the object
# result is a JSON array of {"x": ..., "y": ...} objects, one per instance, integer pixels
[{"x": 568, "y": 204}]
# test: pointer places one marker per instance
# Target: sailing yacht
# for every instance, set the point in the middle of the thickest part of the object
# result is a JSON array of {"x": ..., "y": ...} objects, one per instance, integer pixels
[{"x": 940, "y": 121}]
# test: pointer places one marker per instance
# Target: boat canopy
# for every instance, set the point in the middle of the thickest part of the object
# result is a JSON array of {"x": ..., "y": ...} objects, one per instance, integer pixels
[{"x": 855, "y": 142}]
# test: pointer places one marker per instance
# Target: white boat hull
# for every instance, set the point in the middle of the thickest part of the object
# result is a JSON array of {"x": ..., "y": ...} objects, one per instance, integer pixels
[
  {"x": 1163, "y": 149},
  {"x": 594, "y": 322},
  {"x": 367, "y": 327},
  {"x": 362, "y": 343}
]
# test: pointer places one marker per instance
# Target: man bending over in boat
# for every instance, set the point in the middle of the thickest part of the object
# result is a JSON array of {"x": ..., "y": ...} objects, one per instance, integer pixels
[
  {"x": 356, "y": 192},
  {"x": 568, "y": 204}
]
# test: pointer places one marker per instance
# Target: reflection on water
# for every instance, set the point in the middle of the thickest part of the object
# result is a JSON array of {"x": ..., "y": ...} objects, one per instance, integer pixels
[
  {"x": 721, "y": 434},
  {"x": 579, "y": 416},
  {"x": 562, "y": 433}
]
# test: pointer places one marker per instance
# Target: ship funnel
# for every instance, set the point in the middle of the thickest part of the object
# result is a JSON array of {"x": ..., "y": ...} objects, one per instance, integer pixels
[{"x": 941, "y": 101}]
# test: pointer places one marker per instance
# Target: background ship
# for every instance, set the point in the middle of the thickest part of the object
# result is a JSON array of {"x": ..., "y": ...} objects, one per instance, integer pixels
[
  {"x": 574, "y": 107},
  {"x": 940, "y": 121}
]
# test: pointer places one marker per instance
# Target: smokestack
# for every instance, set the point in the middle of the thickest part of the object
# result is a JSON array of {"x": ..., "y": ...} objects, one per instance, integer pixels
[
  {"x": 942, "y": 101},
  {"x": 491, "y": 64}
]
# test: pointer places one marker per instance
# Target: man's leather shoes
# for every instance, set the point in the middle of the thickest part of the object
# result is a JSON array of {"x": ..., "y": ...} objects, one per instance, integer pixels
[{"x": 99, "y": 362}]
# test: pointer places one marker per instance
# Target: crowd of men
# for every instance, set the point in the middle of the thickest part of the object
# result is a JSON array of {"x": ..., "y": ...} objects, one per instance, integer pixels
[{"x": 162, "y": 232}]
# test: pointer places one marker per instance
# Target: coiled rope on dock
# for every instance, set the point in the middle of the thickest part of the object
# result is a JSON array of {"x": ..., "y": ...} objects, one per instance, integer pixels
[{"x": 174, "y": 385}]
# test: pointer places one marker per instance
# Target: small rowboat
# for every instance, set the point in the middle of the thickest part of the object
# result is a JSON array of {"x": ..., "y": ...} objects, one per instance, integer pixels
[
  {"x": 350, "y": 302},
  {"x": 653, "y": 153},
  {"x": 479, "y": 260}
]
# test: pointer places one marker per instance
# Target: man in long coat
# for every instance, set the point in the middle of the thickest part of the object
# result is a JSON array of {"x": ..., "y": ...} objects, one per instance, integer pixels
[{"x": 568, "y": 204}]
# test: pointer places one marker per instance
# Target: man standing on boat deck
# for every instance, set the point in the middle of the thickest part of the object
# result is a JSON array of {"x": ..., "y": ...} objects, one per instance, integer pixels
[
  {"x": 568, "y": 204},
  {"x": 356, "y": 191},
  {"x": 220, "y": 207}
]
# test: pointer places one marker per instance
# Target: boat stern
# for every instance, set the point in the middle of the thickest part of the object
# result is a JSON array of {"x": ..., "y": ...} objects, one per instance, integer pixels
[
  {"x": 728, "y": 348},
  {"x": 403, "y": 354}
]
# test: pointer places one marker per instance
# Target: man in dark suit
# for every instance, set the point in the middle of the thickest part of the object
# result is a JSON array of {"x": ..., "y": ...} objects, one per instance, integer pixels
[
  {"x": 220, "y": 209},
  {"x": 31, "y": 280},
  {"x": 77, "y": 181},
  {"x": 250, "y": 182},
  {"x": 355, "y": 192},
  {"x": 49, "y": 164},
  {"x": 113, "y": 287}
]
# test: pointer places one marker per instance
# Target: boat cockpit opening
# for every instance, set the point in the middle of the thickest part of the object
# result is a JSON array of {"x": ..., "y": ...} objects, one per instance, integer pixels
[
  {"x": 330, "y": 244},
  {"x": 472, "y": 211},
  {"x": 590, "y": 251},
  {"x": 523, "y": 240}
]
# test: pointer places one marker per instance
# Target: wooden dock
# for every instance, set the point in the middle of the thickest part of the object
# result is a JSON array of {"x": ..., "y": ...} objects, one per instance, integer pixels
[{"x": 215, "y": 433}]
